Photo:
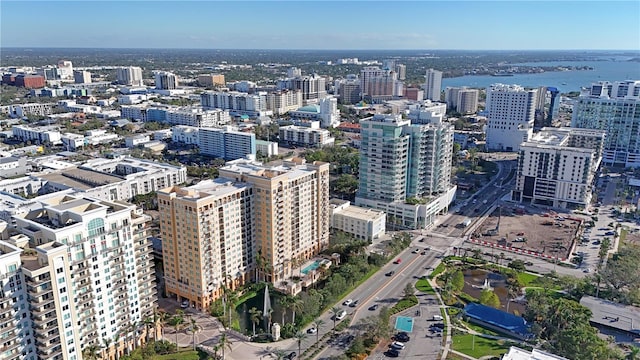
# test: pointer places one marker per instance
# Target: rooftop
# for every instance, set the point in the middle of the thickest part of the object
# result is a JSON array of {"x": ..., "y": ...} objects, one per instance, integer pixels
[
  {"x": 502, "y": 319},
  {"x": 81, "y": 179},
  {"x": 516, "y": 353},
  {"x": 614, "y": 315}
]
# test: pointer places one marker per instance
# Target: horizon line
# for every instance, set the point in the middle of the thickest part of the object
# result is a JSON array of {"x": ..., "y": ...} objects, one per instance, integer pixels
[{"x": 284, "y": 49}]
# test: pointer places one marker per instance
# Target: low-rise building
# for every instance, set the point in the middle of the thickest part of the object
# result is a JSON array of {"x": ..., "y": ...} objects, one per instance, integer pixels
[
  {"x": 185, "y": 134},
  {"x": 133, "y": 141},
  {"x": 515, "y": 353},
  {"x": 38, "y": 135},
  {"x": 267, "y": 148},
  {"x": 227, "y": 143},
  {"x": 304, "y": 136},
  {"x": 363, "y": 223},
  {"x": 39, "y": 109},
  {"x": 12, "y": 166}
]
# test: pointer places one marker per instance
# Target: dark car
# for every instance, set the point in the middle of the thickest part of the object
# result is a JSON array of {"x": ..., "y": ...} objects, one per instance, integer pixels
[
  {"x": 292, "y": 355},
  {"x": 437, "y": 325},
  {"x": 392, "y": 353},
  {"x": 354, "y": 304},
  {"x": 390, "y": 273},
  {"x": 402, "y": 337},
  {"x": 610, "y": 233},
  {"x": 373, "y": 307}
]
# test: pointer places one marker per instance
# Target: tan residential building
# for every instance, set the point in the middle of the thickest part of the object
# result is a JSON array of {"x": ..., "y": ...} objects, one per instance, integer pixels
[
  {"x": 292, "y": 212},
  {"x": 207, "y": 239},
  {"x": 211, "y": 80}
]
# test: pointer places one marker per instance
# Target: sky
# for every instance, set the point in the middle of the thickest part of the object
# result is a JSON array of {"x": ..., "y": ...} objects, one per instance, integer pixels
[{"x": 331, "y": 25}]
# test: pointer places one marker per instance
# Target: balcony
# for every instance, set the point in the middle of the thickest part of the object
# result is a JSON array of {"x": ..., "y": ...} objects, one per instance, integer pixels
[
  {"x": 46, "y": 336},
  {"x": 41, "y": 310},
  {"x": 47, "y": 347},
  {"x": 10, "y": 349}
]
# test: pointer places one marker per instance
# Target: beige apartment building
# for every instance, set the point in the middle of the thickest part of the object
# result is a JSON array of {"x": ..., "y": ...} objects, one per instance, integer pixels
[
  {"x": 211, "y": 80},
  {"x": 213, "y": 232},
  {"x": 292, "y": 212},
  {"x": 207, "y": 239}
]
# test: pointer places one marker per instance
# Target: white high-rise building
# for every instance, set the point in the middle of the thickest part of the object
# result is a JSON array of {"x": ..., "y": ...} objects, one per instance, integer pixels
[
  {"x": 557, "y": 167},
  {"x": 89, "y": 277},
  {"x": 166, "y": 80},
  {"x": 511, "y": 114},
  {"x": 131, "y": 76},
  {"x": 293, "y": 72},
  {"x": 65, "y": 70},
  {"x": 432, "y": 84},
  {"x": 615, "y": 108}
]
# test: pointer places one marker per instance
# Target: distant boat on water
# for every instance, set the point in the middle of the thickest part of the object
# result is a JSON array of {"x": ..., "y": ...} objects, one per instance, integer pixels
[{"x": 501, "y": 74}]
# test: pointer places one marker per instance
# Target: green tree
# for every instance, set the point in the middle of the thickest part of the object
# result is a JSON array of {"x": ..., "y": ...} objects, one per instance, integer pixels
[
  {"x": 457, "y": 280},
  {"x": 91, "y": 352},
  {"x": 255, "y": 315},
  {"x": 194, "y": 329},
  {"x": 224, "y": 343},
  {"x": 489, "y": 298},
  {"x": 409, "y": 290},
  {"x": 177, "y": 321},
  {"x": 296, "y": 305},
  {"x": 317, "y": 324},
  {"x": 335, "y": 311},
  {"x": 300, "y": 337}
]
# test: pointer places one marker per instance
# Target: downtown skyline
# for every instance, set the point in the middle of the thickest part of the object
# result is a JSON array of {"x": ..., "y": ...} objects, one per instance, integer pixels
[{"x": 320, "y": 25}]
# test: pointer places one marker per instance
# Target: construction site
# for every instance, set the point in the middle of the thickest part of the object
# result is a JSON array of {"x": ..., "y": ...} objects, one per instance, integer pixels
[{"x": 529, "y": 230}]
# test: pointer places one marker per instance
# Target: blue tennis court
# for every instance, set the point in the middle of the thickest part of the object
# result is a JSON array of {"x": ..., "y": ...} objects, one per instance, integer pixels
[{"x": 404, "y": 323}]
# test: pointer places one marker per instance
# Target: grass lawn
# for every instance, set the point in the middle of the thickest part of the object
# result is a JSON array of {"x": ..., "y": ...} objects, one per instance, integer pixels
[
  {"x": 623, "y": 235},
  {"x": 184, "y": 355},
  {"x": 479, "y": 329},
  {"x": 424, "y": 286},
  {"x": 440, "y": 268},
  {"x": 480, "y": 346},
  {"x": 526, "y": 279}
]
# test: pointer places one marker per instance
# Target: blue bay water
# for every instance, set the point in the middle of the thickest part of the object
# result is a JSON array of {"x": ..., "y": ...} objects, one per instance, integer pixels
[{"x": 565, "y": 81}]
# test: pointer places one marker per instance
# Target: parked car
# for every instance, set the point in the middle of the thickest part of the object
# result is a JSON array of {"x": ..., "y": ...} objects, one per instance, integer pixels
[
  {"x": 610, "y": 233},
  {"x": 354, "y": 304},
  {"x": 392, "y": 353},
  {"x": 373, "y": 307},
  {"x": 402, "y": 337},
  {"x": 312, "y": 330},
  {"x": 292, "y": 355},
  {"x": 184, "y": 304},
  {"x": 397, "y": 345},
  {"x": 347, "y": 302}
]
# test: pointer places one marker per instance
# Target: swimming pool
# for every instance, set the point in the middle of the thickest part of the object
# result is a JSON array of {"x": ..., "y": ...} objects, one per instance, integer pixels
[
  {"x": 314, "y": 265},
  {"x": 404, "y": 323}
]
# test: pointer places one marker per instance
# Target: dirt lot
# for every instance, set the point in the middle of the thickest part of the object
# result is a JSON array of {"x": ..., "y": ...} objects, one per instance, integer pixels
[{"x": 542, "y": 231}]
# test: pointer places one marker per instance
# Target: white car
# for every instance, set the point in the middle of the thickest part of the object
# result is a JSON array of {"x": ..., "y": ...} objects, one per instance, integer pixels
[
  {"x": 347, "y": 302},
  {"x": 185, "y": 304},
  {"x": 312, "y": 330},
  {"x": 397, "y": 345}
]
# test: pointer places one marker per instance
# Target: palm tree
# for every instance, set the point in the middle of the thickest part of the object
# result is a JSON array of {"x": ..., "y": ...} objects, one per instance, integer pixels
[
  {"x": 91, "y": 352},
  {"x": 255, "y": 316},
  {"x": 148, "y": 321},
  {"x": 178, "y": 320},
  {"x": 300, "y": 336},
  {"x": 279, "y": 354},
  {"x": 116, "y": 341},
  {"x": 296, "y": 305},
  {"x": 194, "y": 329},
  {"x": 335, "y": 310},
  {"x": 316, "y": 324},
  {"x": 224, "y": 342},
  {"x": 106, "y": 343},
  {"x": 161, "y": 320},
  {"x": 285, "y": 303}
]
